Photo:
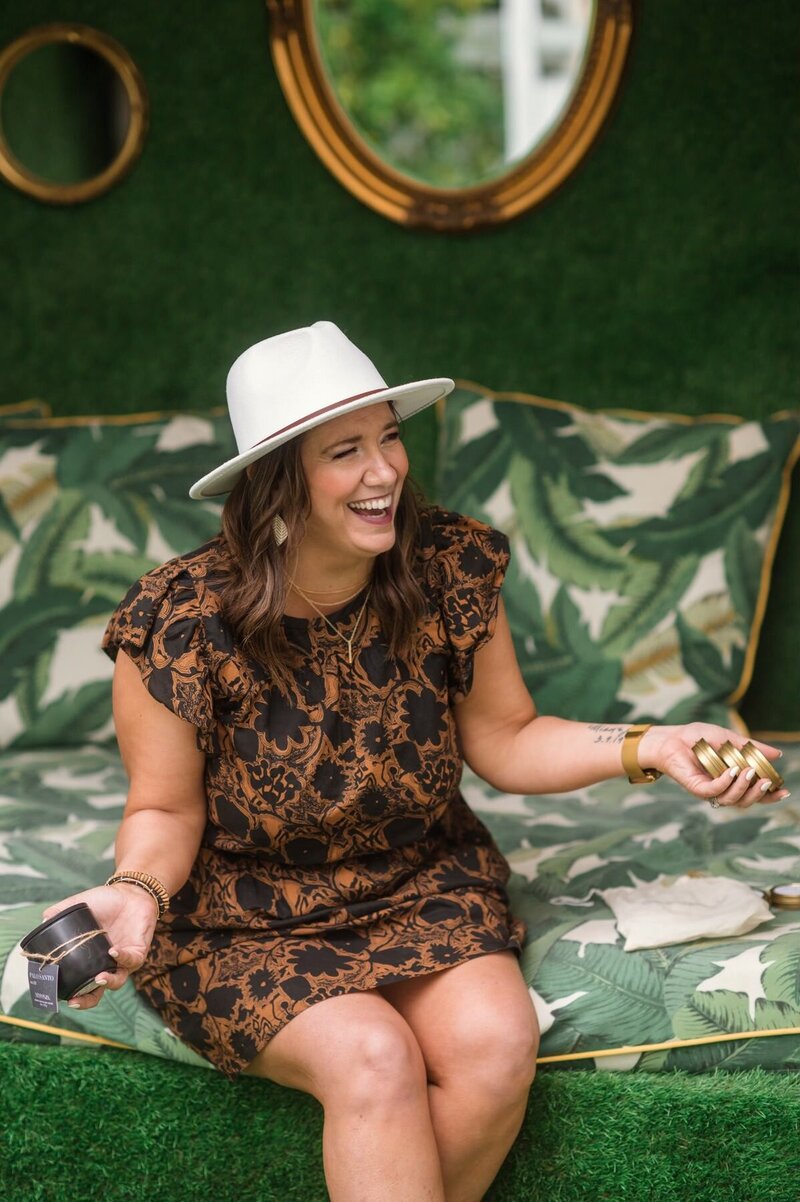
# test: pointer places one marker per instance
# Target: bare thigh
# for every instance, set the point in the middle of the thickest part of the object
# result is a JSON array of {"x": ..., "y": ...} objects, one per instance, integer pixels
[
  {"x": 334, "y": 1042},
  {"x": 475, "y": 1019}
]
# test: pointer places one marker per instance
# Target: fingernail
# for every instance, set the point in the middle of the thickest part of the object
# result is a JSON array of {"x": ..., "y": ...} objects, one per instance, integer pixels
[
  {"x": 74, "y": 1005},
  {"x": 765, "y": 784},
  {"x": 112, "y": 951},
  {"x": 786, "y": 795},
  {"x": 733, "y": 772},
  {"x": 749, "y": 774},
  {"x": 103, "y": 981}
]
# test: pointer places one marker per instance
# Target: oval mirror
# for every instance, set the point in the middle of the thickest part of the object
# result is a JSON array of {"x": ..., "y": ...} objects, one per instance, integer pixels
[
  {"x": 73, "y": 113},
  {"x": 451, "y": 115}
]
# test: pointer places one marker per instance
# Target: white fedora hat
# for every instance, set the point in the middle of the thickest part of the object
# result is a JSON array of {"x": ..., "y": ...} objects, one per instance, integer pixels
[{"x": 285, "y": 385}]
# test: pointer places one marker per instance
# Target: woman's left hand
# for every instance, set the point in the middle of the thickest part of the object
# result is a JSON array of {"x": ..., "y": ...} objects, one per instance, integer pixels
[{"x": 669, "y": 749}]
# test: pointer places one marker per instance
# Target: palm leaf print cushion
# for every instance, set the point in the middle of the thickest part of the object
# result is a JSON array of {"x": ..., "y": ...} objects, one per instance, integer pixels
[
  {"x": 86, "y": 507},
  {"x": 641, "y": 544}
]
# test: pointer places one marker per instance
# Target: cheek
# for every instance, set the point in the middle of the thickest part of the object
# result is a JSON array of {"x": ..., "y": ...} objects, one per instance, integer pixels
[
  {"x": 400, "y": 462},
  {"x": 330, "y": 488}
]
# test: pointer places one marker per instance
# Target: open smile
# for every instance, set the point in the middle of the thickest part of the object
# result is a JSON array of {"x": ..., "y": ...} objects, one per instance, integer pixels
[{"x": 377, "y": 511}]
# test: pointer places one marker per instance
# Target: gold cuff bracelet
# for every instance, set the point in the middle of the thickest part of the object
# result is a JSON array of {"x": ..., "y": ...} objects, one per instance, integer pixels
[{"x": 630, "y": 757}]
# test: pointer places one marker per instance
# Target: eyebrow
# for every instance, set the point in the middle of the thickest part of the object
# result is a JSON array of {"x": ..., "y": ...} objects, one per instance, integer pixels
[{"x": 358, "y": 437}]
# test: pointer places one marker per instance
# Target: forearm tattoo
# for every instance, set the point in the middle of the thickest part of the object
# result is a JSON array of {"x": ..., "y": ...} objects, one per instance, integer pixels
[{"x": 608, "y": 734}]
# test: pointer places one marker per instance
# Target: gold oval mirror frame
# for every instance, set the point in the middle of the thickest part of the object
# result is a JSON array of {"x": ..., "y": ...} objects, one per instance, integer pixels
[
  {"x": 299, "y": 65},
  {"x": 116, "y": 56}
]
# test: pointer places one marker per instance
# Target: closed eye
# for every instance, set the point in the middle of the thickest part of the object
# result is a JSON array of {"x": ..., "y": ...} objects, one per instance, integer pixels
[{"x": 391, "y": 436}]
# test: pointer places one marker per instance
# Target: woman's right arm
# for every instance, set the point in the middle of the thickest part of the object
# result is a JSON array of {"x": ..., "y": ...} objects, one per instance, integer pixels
[{"x": 162, "y": 826}]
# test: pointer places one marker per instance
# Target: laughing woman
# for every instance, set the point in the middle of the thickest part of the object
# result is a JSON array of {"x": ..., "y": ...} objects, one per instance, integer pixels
[{"x": 302, "y": 892}]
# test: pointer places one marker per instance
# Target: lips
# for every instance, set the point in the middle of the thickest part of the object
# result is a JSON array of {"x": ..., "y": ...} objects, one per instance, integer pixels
[
  {"x": 375, "y": 511},
  {"x": 382, "y": 502}
]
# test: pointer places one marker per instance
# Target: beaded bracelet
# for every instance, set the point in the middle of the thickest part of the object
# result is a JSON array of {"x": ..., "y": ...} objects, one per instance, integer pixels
[{"x": 145, "y": 881}]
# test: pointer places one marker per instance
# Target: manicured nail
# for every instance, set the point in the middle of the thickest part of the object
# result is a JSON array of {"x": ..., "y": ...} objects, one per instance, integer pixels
[
  {"x": 112, "y": 951},
  {"x": 733, "y": 772},
  {"x": 765, "y": 784},
  {"x": 749, "y": 774},
  {"x": 74, "y": 1005},
  {"x": 103, "y": 981}
]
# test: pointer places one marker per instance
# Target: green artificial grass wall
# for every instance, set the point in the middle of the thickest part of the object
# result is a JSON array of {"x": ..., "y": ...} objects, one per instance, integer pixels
[
  {"x": 129, "y": 1128},
  {"x": 661, "y": 276}
]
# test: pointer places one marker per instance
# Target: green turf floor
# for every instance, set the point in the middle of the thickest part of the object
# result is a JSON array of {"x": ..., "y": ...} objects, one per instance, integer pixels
[{"x": 129, "y": 1128}]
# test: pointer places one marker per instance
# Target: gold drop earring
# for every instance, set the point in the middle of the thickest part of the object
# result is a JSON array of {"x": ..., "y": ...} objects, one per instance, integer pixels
[{"x": 279, "y": 530}]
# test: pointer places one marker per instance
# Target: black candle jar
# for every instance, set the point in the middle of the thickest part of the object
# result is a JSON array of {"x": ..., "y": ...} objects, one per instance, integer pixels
[{"x": 68, "y": 940}]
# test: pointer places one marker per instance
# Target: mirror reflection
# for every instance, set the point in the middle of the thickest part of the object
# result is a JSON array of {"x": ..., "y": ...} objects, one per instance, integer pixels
[
  {"x": 73, "y": 113},
  {"x": 65, "y": 112},
  {"x": 453, "y": 94}
]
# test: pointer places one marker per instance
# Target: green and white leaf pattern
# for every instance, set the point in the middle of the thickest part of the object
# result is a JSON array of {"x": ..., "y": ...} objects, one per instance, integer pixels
[
  {"x": 640, "y": 544},
  {"x": 85, "y": 509},
  {"x": 59, "y": 810},
  {"x": 562, "y": 849},
  {"x": 631, "y": 594}
]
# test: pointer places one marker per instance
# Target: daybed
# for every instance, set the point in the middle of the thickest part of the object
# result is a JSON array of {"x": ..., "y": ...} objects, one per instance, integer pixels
[{"x": 643, "y": 548}]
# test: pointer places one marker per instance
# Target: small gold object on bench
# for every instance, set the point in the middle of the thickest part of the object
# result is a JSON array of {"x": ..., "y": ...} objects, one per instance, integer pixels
[{"x": 785, "y": 897}]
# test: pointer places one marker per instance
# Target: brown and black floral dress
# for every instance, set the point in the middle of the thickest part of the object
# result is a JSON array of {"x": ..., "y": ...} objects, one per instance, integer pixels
[{"x": 338, "y": 854}]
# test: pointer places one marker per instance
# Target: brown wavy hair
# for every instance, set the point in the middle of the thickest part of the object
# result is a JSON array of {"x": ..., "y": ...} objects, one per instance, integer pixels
[{"x": 254, "y": 591}]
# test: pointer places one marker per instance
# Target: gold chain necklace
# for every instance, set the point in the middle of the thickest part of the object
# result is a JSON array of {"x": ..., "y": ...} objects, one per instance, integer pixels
[
  {"x": 336, "y": 600},
  {"x": 343, "y": 637}
]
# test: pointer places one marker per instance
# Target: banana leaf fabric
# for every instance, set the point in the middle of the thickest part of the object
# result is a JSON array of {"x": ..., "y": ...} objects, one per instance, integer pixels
[
  {"x": 86, "y": 507},
  {"x": 642, "y": 546},
  {"x": 59, "y": 810}
]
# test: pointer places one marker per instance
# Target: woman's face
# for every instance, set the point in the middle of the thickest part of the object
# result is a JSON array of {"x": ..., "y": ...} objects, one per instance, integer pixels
[{"x": 354, "y": 468}]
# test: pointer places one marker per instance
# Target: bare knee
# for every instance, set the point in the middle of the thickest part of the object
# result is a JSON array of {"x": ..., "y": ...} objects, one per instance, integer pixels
[
  {"x": 378, "y": 1065},
  {"x": 496, "y": 1053}
]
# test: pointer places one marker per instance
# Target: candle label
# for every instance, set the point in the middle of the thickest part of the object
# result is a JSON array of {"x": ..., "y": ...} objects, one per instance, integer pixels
[{"x": 43, "y": 984}]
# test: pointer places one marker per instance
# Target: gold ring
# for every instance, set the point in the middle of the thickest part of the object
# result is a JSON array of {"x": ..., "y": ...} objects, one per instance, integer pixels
[
  {"x": 763, "y": 767},
  {"x": 708, "y": 758}
]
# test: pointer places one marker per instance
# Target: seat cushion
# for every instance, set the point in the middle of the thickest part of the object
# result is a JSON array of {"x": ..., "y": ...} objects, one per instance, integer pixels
[{"x": 59, "y": 811}]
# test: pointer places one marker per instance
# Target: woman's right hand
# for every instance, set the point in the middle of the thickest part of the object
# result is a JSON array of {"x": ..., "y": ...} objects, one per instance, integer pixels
[{"x": 128, "y": 915}]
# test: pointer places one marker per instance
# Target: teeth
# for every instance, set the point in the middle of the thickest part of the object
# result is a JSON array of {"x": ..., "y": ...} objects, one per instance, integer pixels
[{"x": 380, "y": 503}]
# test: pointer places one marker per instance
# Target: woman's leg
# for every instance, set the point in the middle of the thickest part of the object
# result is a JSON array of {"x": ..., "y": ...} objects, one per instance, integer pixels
[
  {"x": 477, "y": 1030},
  {"x": 357, "y": 1055}
]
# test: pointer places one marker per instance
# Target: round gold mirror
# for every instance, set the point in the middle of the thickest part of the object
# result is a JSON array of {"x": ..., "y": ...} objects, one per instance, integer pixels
[
  {"x": 450, "y": 116},
  {"x": 73, "y": 113}
]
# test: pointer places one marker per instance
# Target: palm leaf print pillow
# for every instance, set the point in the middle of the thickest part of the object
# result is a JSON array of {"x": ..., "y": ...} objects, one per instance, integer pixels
[
  {"x": 86, "y": 507},
  {"x": 642, "y": 546}
]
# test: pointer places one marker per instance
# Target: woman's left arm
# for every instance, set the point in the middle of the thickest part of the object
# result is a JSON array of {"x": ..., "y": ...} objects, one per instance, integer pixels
[{"x": 515, "y": 750}]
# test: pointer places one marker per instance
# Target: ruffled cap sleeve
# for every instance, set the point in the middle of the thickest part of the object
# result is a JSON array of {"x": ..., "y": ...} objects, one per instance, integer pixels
[
  {"x": 159, "y": 625},
  {"x": 466, "y": 570}
]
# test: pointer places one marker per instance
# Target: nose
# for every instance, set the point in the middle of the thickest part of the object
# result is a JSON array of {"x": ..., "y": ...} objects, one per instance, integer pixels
[{"x": 378, "y": 471}]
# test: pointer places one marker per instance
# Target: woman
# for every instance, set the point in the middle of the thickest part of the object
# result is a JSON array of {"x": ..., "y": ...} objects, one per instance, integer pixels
[{"x": 302, "y": 892}]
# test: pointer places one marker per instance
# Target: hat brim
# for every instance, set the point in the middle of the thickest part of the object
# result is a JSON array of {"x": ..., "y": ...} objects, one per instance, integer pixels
[{"x": 408, "y": 399}]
